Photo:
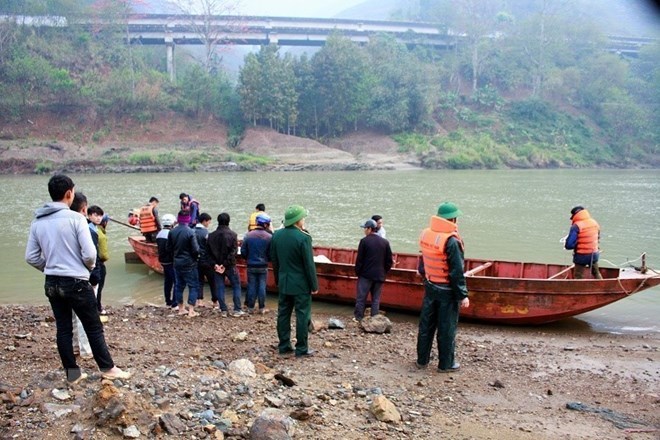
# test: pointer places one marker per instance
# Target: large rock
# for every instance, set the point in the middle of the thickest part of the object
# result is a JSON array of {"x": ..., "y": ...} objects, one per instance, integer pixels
[
  {"x": 171, "y": 424},
  {"x": 242, "y": 368},
  {"x": 376, "y": 324},
  {"x": 384, "y": 410},
  {"x": 272, "y": 424}
]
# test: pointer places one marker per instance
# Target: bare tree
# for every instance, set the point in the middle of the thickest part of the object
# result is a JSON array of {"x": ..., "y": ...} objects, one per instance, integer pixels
[
  {"x": 206, "y": 21},
  {"x": 480, "y": 21}
]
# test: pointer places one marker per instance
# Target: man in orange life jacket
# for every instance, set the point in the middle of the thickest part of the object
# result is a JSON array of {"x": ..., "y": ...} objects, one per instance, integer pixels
[
  {"x": 149, "y": 223},
  {"x": 445, "y": 289},
  {"x": 583, "y": 238}
]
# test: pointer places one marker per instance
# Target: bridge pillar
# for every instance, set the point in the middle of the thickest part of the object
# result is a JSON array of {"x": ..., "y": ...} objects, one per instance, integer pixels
[{"x": 169, "y": 44}]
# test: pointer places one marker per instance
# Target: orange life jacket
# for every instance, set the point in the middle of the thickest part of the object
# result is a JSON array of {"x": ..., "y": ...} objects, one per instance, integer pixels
[
  {"x": 252, "y": 223},
  {"x": 432, "y": 242},
  {"x": 147, "y": 219},
  {"x": 589, "y": 230}
]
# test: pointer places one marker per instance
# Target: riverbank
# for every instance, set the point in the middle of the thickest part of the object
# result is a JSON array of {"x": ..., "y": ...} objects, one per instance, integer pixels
[
  {"x": 513, "y": 383},
  {"x": 174, "y": 144}
]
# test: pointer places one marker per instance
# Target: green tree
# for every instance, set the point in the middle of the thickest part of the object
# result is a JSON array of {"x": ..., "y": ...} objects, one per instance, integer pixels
[{"x": 340, "y": 72}]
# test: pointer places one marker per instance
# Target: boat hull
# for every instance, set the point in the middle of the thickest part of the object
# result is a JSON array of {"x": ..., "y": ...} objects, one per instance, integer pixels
[{"x": 501, "y": 292}]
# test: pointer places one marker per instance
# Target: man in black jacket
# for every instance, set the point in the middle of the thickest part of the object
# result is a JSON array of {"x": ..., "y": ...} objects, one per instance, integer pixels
[
  {"x": 222, "y": 246},
  {"x": 182, "y": 244},
  {"x": 374, "y": 260}
]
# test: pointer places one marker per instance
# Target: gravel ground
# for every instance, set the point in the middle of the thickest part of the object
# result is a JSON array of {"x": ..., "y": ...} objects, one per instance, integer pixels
[{"x": 187, "y": 383}]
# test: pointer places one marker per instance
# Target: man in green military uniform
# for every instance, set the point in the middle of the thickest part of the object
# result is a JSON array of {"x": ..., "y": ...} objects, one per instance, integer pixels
[{"x": 295, "y": 275}]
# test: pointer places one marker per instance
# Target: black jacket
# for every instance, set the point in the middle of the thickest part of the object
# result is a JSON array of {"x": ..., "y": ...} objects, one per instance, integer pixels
[
  {"x": 374, "y": 258},
  {"x": 222, "y": 246},
  {"x": 182, "y": 243}
]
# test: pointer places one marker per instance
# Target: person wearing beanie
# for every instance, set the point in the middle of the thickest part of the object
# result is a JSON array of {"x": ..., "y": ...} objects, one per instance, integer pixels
[
  {"x": 445, "y": 288},
  {"x": 583, "y": 239},
  {"x": 295, "y": 275}
]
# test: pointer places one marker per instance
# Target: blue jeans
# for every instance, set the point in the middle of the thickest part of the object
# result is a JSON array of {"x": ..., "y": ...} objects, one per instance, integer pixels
[
  {"x": 68, "y": 295},
  {"x": 364, "y": 286},
  {"x": 169, "y": 284},
  {"x": 186, "y": 276},
  {"x": 232, "y": 274},
  {"x": 256, "y": 286}
]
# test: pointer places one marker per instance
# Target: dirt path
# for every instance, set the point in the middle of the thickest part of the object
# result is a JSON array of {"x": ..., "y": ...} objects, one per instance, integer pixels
[{"x": 513, "y": 384}]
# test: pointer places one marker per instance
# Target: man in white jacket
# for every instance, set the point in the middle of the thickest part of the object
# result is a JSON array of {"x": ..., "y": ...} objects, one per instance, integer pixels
[{"x": 60, "y": 245}]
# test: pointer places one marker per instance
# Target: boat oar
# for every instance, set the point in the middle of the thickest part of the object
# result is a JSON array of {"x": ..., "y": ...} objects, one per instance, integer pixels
[{"x": 123, "y": 224}]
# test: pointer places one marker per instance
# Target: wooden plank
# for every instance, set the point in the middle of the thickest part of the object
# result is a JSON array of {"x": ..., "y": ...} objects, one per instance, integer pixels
[
  {"x": 562, "y": 272},
  {"x": 478, "y": 269}
]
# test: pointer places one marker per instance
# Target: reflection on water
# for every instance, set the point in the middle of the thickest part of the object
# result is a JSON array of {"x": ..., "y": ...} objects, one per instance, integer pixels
[{"x": 510, "y": 215}]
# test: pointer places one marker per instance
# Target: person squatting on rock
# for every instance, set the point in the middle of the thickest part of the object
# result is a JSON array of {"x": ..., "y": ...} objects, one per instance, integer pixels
[
  {"x": 373, "y": 261},
  {"x": 295, "y": 275},
  {"x": 445, "y": 288},
  {"x": 60, "y": 245}
]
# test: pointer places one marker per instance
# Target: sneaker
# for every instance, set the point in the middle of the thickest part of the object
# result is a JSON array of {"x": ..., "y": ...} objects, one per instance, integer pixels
[
  {"x": 224, "y": 314},
  {"x": 86, "y": 356},
  {"x": 103, "y": 312},
  {"x": 238, "y": 314},
  {"x": 250, "y": 311},
  {"x": 116, "y": 373},
  {"x": 82, "y": 377},
  {"x": 420, "y": 366},
  {"x": 264, "y": 311},
  {"x": 451, "y": 369},
  {"x": 308, "y": 353}
]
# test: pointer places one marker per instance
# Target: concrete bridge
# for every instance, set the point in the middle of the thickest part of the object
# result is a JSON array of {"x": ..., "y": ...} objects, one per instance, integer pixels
[{"x": 174, "y": 30}]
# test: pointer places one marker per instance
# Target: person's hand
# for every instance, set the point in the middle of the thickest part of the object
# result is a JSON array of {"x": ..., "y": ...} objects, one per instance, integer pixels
[
  {"x": 465, "y": 302},
  {"x": 219, "y": 268},
  {"x": 314, "y": 292}
]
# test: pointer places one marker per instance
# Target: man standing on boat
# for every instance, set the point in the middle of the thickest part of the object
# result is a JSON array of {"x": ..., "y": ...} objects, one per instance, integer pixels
[
  {"x": 445, "y": 288},
  {"x": 149, "y": 223},
  {"x": 583, "y": 238},
  {"x": 380, "y": 230},
  {"x": 60, "y": 245},
  {"x": 295, "y": 275},
  {"x": 373, "y": 261}
]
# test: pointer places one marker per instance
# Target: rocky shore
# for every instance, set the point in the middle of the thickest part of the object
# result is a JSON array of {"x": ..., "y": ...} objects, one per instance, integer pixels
[{"x": 213, "y": 377}]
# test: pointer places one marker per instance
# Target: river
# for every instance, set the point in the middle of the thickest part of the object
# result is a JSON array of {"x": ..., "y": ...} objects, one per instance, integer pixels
[{"x": 508, "y": 214}]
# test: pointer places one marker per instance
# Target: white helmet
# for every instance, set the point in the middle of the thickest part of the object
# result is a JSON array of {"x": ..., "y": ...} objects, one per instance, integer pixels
[{"x": 168, "y": 220}]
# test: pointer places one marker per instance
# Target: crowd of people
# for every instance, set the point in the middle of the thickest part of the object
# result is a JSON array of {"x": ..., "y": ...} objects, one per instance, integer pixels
[{"x": 67, "y": 242}]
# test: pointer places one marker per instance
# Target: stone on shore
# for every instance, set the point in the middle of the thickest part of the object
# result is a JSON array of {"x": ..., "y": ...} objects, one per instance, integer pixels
[
  {"x": 376, "y": 324},
  {"x": 272, "y": 424},
  {"x": 384, "y": 410},
  {"x": 242, "y": 368}
]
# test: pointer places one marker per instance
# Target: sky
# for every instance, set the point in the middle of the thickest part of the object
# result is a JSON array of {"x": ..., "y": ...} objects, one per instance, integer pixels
[{"x": 295, "y": 8}]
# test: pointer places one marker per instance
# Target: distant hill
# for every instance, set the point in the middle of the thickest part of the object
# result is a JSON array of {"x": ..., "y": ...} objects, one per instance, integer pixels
[{"x": 616, "y": 17}]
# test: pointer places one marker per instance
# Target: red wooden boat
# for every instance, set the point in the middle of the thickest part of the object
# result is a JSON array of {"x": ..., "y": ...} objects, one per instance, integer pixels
[{"x": 501, "y": 292}]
